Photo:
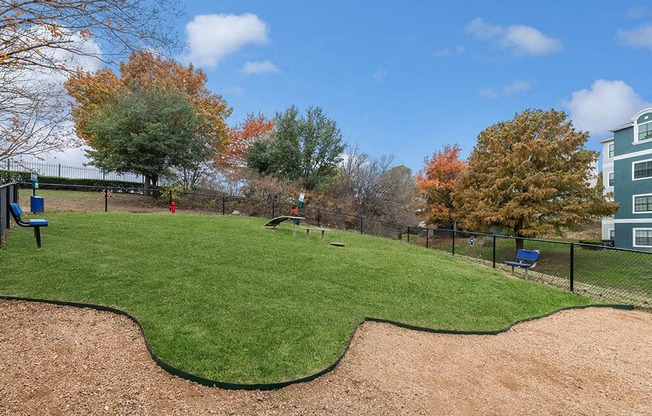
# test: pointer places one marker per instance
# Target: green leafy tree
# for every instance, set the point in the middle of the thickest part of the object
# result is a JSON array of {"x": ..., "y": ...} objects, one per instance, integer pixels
[
  {"x": 303, "y": 149},
  {"x": 147, "y": 131},
  {"x": 529, "y": 177}
]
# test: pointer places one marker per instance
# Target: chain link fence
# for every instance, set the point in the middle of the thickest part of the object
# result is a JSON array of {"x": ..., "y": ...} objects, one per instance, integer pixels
[
  {"x": 604, "y": 273},
  {"x": 601, "y": 272}
]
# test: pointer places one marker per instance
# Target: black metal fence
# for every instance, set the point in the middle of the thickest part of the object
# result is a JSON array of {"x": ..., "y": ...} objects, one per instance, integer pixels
[
  {"x": 602, "y": 272},
  {"x": 606, "y": 273},
  {"x": 8, "y": 195}
]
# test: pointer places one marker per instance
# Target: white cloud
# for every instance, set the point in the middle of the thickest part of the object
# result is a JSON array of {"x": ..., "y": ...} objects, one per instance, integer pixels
[
  {"x": 636, "y": 38},
  {"x": 379, "y": 75},
  {"x": 259, "y": 67},
  {"x": 605, "y": 105},
  {"x": 458, "y": 50},
  {"x": 638, "y": 12},
  {"x": 517, "y": 86},
  {"x": 212, "y": 37},
  {"x": 509, "y": 89},
  {"x": 521, "y": 40}
]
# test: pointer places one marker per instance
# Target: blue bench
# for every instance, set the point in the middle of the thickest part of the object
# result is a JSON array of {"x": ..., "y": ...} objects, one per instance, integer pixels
[
  {"x": 525, "y": 259},
  {"x": 17, "y": 212}
]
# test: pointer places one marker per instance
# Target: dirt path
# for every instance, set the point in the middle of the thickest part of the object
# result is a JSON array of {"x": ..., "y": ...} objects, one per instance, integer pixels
[{"x": 60, "y": 360}]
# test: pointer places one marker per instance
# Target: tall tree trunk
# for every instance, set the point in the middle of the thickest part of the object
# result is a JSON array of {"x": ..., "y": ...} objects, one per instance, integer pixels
[
  {"x": 147, "y": 186},
  {"x": 150, "y": 185},
  {"x": 520, "y": 243}
]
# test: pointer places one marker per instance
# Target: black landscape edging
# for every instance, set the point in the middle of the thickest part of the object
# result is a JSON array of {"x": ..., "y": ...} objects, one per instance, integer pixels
[{"x": 274, "y": 386}]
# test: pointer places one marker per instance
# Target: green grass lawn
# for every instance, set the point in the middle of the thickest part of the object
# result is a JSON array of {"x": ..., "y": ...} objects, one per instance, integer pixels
[
  {"x": 225, "y": 298},
  {"x": 611, "y": 269}
]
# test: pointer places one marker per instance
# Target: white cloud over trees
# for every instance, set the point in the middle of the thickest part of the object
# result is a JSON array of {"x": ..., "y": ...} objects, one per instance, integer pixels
[
  {"x": 214, "y": 36},
  {"x": 640, "y": 37},
  {"x": 603, "y": 106},
  {"x": 251, "y": 68},
  {"x": 519, "y": 39}
]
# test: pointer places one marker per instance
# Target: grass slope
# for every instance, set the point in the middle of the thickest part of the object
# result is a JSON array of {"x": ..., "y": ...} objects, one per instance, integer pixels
[{"x": 225, "y": 298}]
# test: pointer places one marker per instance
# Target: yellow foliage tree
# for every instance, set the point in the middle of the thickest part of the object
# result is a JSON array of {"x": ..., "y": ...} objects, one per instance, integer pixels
[{"x": 530, "y": 176}]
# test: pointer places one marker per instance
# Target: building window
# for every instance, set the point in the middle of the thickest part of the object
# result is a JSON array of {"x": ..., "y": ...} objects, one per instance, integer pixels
[
  {"x": 643, "y": 128},
  {"x": 642, "y": 203},
  {"x": 612, "y": 234},
  {"x": 611, "y": 179},
  {"x": 642, "y": 237},
  {"x": 611, "y": 150},
  {"x": 642, "y": 170}
]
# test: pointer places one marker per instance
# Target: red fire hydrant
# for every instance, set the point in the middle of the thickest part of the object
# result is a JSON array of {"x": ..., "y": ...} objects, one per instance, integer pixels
[{"x": 173, "y": 207}]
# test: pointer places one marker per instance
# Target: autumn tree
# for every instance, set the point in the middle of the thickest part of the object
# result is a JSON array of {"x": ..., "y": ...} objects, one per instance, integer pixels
[
  {"x": 44, "y": 41},
  {"x": 529, "y": 177},
  {"x": 147, "y": 132},
  {"x": 146, "y": 70},
  {"x": 372, "y": 187},
  {"x": 437, "y": 182},
  {"x": 304, "y": 149},
  {"x": 240, "y": 138}
]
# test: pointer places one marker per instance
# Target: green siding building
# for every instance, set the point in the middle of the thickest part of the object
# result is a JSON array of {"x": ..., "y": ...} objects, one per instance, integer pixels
[{"x": 632, "y": 182}]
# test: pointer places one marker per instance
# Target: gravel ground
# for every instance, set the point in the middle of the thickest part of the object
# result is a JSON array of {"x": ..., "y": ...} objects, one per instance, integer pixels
[{"x": 64, "y": 361}]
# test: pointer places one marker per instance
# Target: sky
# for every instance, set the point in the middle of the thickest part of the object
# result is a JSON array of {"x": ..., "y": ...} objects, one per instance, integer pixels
[{"x": 405, "y": 78}]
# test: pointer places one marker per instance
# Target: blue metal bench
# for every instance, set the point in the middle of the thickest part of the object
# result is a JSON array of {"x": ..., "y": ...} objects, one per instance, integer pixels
[
  {"x": 17, "y": 212},
  {"x": 525, "y": 259}
]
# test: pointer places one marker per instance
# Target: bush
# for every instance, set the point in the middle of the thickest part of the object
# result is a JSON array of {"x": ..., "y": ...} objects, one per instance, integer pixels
[{"x": 591, "y": 244}]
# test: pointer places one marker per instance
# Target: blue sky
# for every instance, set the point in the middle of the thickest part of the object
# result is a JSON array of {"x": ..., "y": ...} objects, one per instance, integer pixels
[{"x": 405, "y": 78}]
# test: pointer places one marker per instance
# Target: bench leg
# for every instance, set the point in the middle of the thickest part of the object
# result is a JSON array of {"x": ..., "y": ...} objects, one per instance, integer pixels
[{"x": 37, "y": 234}]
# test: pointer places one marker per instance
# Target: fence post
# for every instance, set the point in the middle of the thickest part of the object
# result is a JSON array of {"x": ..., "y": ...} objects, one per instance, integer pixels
[
  {"x": 427, "y": 232},
  {"x": 106, "y": 200},
  {"x": 318, "y": 218},
  {"x": 360, "y": 224},
  {"x": 454, "y": 232},
  {"x": 59, "y": 169},
  {"x": 494, "y": 251},
  {"x": 223, "y": 204},
  {"x": 572, "y": 267},
  {"x": 169, "y": 197},
  {"x": 273, "y": 209},
  {"x": 408, "y": 233}
]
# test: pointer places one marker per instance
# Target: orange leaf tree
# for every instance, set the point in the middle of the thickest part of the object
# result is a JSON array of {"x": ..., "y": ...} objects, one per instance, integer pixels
[
  {"x": 44, "y": 41},
  {"x": 240, "y": 139},
  {"x": 437, "y": 181},
  {"x": 148, "y": 71},
  {"x": 530, "y": 176}
]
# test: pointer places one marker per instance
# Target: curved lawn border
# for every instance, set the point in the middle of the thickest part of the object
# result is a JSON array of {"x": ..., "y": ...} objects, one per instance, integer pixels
[{"x": 274, "y": 386}]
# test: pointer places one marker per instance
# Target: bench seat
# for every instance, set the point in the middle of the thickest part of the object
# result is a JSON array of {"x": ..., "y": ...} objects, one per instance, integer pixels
[
  {"x": 36, "y": 224},
  {"x": 525, "y": 259},
  {"x": 323, "y": 230}
]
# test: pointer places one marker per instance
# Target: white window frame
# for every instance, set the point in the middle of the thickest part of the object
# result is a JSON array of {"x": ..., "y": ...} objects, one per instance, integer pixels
[
  {"x": 612, "y": 233},
  {"x": 610, "y": 150},
  {"x": 640, "y": 161},
  {"x": 634, "y": 230},
  {"x": 610, "y": 179},
  {"x": 637, "y": 124},
  {"x": 634, "y": 204}
]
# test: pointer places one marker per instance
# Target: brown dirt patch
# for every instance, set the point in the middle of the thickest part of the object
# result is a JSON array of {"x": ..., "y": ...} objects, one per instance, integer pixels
[{"x": 63, "y": 360}]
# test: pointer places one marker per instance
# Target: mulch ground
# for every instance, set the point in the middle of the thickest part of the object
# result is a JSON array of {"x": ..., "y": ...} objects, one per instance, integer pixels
[{"x": 58, "y": 360}]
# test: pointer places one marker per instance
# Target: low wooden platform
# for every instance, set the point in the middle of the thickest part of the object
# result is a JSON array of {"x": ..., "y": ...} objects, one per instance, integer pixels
[
  {"x": 323, "y": 230},
  {"x": 276, "y": 221}
]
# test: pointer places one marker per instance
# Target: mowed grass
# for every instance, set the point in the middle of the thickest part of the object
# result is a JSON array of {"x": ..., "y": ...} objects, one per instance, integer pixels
[{"x": 227, "y": 299}]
